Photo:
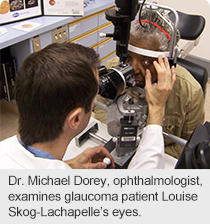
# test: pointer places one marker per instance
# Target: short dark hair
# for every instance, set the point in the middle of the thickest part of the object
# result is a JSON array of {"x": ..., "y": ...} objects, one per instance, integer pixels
[{"x": 51, "y": 83}]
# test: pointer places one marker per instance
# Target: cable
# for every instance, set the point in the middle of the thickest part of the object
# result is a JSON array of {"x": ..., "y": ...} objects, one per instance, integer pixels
[{"x": 140, "y": 11}]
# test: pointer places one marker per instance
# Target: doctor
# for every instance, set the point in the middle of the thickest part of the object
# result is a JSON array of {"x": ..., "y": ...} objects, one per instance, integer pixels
[{"x": 55, "y": 89}]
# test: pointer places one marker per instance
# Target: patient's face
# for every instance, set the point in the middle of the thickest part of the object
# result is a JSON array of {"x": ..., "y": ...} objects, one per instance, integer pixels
[{"x": 140, "y": 63}]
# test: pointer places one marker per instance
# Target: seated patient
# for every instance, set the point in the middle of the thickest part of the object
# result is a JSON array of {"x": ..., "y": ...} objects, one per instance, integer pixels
[{"x": 185, "y": 105}]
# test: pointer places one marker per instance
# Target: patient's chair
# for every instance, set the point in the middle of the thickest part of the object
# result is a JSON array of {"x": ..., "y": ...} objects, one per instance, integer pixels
[
  {"x": 199, "y": 72},
  {"x": 191, "y": 27}
]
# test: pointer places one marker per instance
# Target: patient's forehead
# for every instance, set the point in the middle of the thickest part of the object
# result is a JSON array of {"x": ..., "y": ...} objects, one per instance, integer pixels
[{"x": 148, "y": 44}]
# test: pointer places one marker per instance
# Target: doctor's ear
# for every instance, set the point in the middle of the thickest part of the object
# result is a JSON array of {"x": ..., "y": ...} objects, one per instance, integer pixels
[{"x": 74, "y": 118}]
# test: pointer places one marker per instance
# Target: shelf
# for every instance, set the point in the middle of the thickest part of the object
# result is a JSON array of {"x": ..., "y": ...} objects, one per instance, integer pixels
[{"x": 49, "y": 23}]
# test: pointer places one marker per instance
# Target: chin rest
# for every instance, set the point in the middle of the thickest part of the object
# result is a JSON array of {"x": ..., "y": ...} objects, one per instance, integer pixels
[
  {"x": 199, "y": 73},
  {"x": 190, "y": 26}
]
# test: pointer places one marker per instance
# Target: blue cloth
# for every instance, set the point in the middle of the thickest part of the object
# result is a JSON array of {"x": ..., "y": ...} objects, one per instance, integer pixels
[{"x": 37, "y": 152}]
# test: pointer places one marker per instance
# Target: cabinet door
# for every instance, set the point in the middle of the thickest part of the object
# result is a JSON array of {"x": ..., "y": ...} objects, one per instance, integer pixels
[
  {"x": 82, "y": 26},
  {"x": 106, "y": 49},
  {"x": 86, "y": 40}
]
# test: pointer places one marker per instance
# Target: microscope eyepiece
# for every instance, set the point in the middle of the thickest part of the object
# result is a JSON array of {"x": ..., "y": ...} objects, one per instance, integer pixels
[{"x": 114, "y": 80}]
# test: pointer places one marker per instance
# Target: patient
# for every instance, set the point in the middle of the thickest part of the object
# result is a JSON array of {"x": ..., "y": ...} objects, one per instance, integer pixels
[{"x": 185, "y": 105}]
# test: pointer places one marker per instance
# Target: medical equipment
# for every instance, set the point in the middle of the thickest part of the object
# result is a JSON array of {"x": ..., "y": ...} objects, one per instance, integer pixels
[
  {"x": 196, "y": 153},
  {"x": 126, "y": 115}
]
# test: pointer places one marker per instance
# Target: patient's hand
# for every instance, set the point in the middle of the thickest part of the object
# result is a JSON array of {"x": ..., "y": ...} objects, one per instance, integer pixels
[{"x": 157, "y": 95}]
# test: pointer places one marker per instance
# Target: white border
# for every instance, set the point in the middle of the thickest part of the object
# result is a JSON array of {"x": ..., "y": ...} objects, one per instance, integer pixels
[{"x": 149, "y": 53}]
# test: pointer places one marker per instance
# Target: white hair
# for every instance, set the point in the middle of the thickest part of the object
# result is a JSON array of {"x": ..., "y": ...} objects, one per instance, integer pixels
[{"x": 161, "y": 31}]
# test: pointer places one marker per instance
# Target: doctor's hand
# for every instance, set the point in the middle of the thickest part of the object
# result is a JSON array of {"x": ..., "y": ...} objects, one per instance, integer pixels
[
  {"x": 91, "y": 158},
  {"x": 157, "y": 95}
]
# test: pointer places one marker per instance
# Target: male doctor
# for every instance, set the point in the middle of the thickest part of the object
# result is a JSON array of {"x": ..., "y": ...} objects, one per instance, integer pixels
[{"x": 55, "y": 89}]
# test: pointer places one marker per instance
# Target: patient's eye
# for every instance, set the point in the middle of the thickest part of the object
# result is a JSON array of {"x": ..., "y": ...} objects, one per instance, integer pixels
[{"x": 146, "y": 63}]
